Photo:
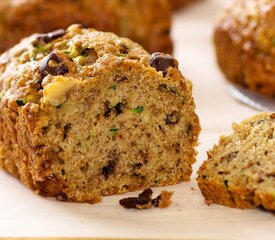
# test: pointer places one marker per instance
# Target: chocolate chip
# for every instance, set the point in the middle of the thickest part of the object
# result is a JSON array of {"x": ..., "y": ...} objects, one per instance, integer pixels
[
  {"x": 66, "y": 129},
  {"x": 130, "y": 202},
  {"x": 142, "y": 201},
  {"x": 119, "y": 108},
  {"x": 20, "y": 102},
  {"x": 172, "y": 118},
  {"x": 156, "y": 201},
  {"x": 109, "y": 169},
  {"x": 59, "y": 69},
  {"x": 107, "y": 109},
  {"x": 161, "y": 62},
  {"x": 146, "y": 196},
  {"x": 226, "y": 183},
  {"x": 112, "y": 162},
  {"x": 48, "y": 37}
]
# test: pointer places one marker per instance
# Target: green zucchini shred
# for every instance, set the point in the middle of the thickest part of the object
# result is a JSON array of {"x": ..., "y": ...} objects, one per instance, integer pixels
[{"x": 138, "y": 109}]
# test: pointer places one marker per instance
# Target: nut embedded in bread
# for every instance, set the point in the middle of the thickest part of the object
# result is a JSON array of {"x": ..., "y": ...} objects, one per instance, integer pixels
[
  {"x": 245, "y": 44},
  {"x": 87, "y": 114},
  {"x": 137, "y": 20},
  {"x": 240, "y": 170}
]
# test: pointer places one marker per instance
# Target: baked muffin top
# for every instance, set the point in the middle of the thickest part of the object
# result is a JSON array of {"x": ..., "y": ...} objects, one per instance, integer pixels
[
  {"x": 251, "y": 24},
  {"x": 75, "y": 52},
  {"x": 76, "y": 55}
]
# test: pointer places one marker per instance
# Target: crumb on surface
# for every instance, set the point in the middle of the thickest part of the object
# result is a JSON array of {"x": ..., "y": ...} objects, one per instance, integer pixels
[
  {"x": 145, "y": 201},
  {"x": 163, "y": 200}
]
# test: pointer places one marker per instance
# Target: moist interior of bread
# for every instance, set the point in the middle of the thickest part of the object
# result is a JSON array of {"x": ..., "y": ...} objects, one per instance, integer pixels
[
  {"x": 243, "y": 162},
  {"x": 125, "y": 147},
  {"x": 123, "y": 126}
]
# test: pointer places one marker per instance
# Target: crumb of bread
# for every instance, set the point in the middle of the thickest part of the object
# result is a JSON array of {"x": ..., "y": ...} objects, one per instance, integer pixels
[
  {"x": 163, "y": 200},
  {"x": 145, "y": 201}
]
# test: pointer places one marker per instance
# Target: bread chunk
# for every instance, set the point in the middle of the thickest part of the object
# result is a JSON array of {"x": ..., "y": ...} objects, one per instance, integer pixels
[
  {"x": 247, "y": 29},
  {"x": 85, "y": 114},
  {"x": 144, "y": 21},
  {"x": 240, "y": 170}
]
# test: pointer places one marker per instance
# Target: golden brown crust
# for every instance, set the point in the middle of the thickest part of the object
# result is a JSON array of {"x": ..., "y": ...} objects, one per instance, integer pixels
[
  {"x": 245, "y": 47},
  {"x": 80, "y": 116},
  {"x": 137, "y": 20},
  {"x": 240, "y": 170}
]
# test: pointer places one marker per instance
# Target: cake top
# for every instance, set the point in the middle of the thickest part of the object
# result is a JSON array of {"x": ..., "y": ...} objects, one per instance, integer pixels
[{"x": 69, "y": 56}]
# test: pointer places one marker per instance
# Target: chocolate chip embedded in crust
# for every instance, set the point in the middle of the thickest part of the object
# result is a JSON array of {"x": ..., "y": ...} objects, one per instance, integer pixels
[
  {"x": 161, "y": 62},
  {"x": 172, "y": 118},
  {"x": 59, "y": 68},
  {"x": 48, "y": 37}
]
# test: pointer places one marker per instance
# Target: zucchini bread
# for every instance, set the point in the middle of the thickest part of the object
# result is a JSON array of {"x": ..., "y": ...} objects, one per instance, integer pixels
[
  {"x": 240, "y": 170},
  {"x": 137, "y": 20},
  {"x": 247, "y": 28},
  {"x": 85, "y": 114}
]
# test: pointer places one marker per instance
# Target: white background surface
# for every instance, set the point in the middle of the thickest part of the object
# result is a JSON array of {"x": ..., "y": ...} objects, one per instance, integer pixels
[{"x": 22, "y": 213}]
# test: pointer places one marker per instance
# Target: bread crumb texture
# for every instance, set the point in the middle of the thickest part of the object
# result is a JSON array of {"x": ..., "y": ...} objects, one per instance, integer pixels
[
  {"x": 85, "y": 114},
  {"x": 240, "y": 170}
]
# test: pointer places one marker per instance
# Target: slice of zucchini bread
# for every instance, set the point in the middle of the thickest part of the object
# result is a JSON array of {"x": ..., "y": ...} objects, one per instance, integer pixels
[
  {"x": 85, "y": 113},
  {"x": 137, "y": 20},
  {"x": 240, "y": 170}
]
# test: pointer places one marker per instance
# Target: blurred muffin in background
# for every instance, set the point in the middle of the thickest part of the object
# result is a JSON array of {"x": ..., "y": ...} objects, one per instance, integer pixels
[
  {"x": 137, "y": 20},
  {"x": 245, "y": 44}
]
